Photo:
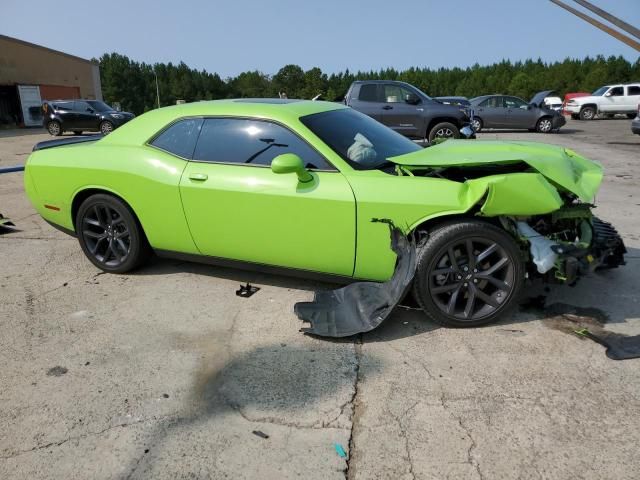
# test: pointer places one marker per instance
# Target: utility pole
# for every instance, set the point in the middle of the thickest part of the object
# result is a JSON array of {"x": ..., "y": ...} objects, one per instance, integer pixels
[
  {"x": 610, "y": 18},
  {"x": 605, "y": 28},
  {"x": 157, "y": 88}
]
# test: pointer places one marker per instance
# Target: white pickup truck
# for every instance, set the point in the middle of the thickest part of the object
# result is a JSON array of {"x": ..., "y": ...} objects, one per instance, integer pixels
[{"x": 607, "y": 100}]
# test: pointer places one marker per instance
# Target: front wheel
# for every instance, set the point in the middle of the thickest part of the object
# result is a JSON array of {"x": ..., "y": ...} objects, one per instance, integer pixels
[
  {"x": 587, "y": 113},
  {"x": 469, "y": 273},
  {"x": 109, "y": 234},
  {"x": 444, "y": 130},
  {"x": 106, "y": 127},
  {"x": 544, "y": 125}
]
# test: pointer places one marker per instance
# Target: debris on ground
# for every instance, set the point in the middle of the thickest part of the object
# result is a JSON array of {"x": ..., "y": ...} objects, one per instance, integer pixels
[
  {"x": 57, "y": 371},
  {"x": 247, "y": 290},
  {"x": 260, "y": 434},
  {"x": 5, "y": 224},
  {"x": 618, "y": 345},
  {"x": 361, "y": 306},
  {"x": 339, "y": 450}
]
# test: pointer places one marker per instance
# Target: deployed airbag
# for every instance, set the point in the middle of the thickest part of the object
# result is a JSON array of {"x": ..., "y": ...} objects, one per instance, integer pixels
[{"x": 361, "y": 306}]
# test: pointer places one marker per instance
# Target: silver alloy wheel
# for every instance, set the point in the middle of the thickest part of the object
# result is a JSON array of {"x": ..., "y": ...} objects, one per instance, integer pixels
[
  {"x": 476, "y": 125},
  {"x": 106, "y": 128},
  {"x": 54, "y": 128},
  {"x": 587, "y": 114},
  {"x": 545, "y": 125},
  {"x": 444, "y": 133}
]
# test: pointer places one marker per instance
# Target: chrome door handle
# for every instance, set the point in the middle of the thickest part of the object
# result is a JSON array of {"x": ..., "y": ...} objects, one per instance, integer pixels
[{"x": 199, "y": 177}]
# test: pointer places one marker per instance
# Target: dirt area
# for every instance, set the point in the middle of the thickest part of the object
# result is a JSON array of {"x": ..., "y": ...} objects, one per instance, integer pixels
[{"x": 166, "y": 373}]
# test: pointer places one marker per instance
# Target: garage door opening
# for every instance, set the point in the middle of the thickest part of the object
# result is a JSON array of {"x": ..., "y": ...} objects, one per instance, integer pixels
[{"x": 10, "y": 115}]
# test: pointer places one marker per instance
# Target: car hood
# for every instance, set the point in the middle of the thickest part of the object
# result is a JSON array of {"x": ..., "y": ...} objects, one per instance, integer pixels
[
  {"x": 563, "y": 167},
  {"x": 538, "y": 98}
]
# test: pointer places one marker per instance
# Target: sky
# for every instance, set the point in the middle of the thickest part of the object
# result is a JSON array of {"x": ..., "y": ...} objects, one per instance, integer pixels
[{"x": 229, "y": 37}]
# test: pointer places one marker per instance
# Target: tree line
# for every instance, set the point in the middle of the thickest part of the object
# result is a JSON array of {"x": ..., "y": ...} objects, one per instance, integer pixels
[{"x": 133, "y": 84}]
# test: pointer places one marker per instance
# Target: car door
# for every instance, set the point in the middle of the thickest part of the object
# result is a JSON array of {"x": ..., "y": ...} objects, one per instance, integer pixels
[
  {"x": 492, "y": 112},
  {"x": 632, "y": 98},
  {"x": 85, "y": 116},
  {"x": 368, "y": 99},
  {"x": 519, "y": 113},
  {"x": 399, "y": 115},
  {"x": 64, "y": 111},
  {"x": 613, "y": 100},
  {"x": 238, "y": 208}
]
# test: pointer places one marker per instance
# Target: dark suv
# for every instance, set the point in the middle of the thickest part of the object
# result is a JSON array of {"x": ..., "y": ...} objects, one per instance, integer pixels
[
  {"x": 60, "y": 116},
  {"x": 406, "y": 109}
]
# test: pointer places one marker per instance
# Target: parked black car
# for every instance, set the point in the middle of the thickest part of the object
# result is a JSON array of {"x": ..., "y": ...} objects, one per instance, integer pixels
[
  {"x": 406, "y": 109},
  {"x": 60, "y": 116},
  {"x": 505, "y": 111}
]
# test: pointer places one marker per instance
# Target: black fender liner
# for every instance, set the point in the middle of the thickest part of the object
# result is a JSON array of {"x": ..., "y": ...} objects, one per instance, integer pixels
[{"x": 362, "y": 306}]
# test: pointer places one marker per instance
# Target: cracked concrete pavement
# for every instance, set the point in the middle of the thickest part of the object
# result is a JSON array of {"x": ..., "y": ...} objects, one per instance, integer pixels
[{"x": 168, "y": 373}]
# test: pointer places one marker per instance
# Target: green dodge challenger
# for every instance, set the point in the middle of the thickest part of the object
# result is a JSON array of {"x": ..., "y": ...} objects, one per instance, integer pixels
[{"x": 286, "y": 184}]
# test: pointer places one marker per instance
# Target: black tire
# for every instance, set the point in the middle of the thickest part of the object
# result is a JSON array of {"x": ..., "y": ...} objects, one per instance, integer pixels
[
  {"x": 444, "y": 130},
  {"x": 468, "y": 277},
  {"x": 544, "y": 125},
  {"x": 477, "y": 124},
  {"x": 110, "y": 235},
  {"x": 54, "y": 128},
  {"x": 106, "y": 127},
  {"x": 631, "y": 116},
  {"x": 77, "y": 132},
  {"x": 587, "y": 113}
]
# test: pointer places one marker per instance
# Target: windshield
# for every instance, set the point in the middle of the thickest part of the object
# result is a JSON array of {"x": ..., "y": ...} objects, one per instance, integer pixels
[
  {"x": 599, "y": 92},
  {"x": 99, "y": 106},
  {"x": 360, "y": 140}
]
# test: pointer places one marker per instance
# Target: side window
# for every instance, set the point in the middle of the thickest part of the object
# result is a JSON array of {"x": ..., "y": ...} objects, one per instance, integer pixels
[
  {"x": 514, "y": 102},
  {"x": 180, "y": 138},
  {"x": 252, "y": 142},
  {"x": 395, "y": 94},
  {"x": 63, "y": 106},
  {"x": 368, "y": 93},
  {"x": 80, "y": 106},
  {"x": 617, "y": 91},
  {"x": 492, "y": 102},
  {"x": 633, "y": 90}
]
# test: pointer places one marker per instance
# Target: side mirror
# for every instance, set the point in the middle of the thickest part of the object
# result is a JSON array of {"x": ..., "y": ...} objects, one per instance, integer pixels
[
  {"x": 291, "y": 163},
  {"x": 90, "y": 110},
  {"x": 608, "y": 94},
  {"x": 412, "y": 99}
]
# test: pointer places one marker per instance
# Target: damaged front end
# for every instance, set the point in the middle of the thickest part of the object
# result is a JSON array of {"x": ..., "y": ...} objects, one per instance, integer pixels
[{"x": 568, "y": 243}]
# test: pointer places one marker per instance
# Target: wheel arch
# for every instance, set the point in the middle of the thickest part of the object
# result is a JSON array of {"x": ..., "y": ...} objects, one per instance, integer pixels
[
  {"x": 432, "y": 222},
  {"x": 593, "y": 105},
  {"x": 81, "y": 195},
  {"x": 436, "y": 120}
]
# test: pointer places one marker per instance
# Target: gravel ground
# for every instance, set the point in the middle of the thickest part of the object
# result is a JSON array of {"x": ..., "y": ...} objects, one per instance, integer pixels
[{"x": 165, "y": 373}]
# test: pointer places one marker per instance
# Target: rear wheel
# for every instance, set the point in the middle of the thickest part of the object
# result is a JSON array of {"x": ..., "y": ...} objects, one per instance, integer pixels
[
  {"x": 476, "y": 124},
  {"x": 469, "y": 273},
  {"x": 110, "y": 235},
  {"x": 54, "y": 128},
  {"x": 544, "y": 125},
  {"x": 444, "y": 130},
  {"x": 587, "y": 113},
  {"x": 106, "y": 127}
]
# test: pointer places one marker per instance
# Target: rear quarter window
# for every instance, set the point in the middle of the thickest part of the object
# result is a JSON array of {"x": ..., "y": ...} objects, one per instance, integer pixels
[{"x": 180, "y": 138}]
